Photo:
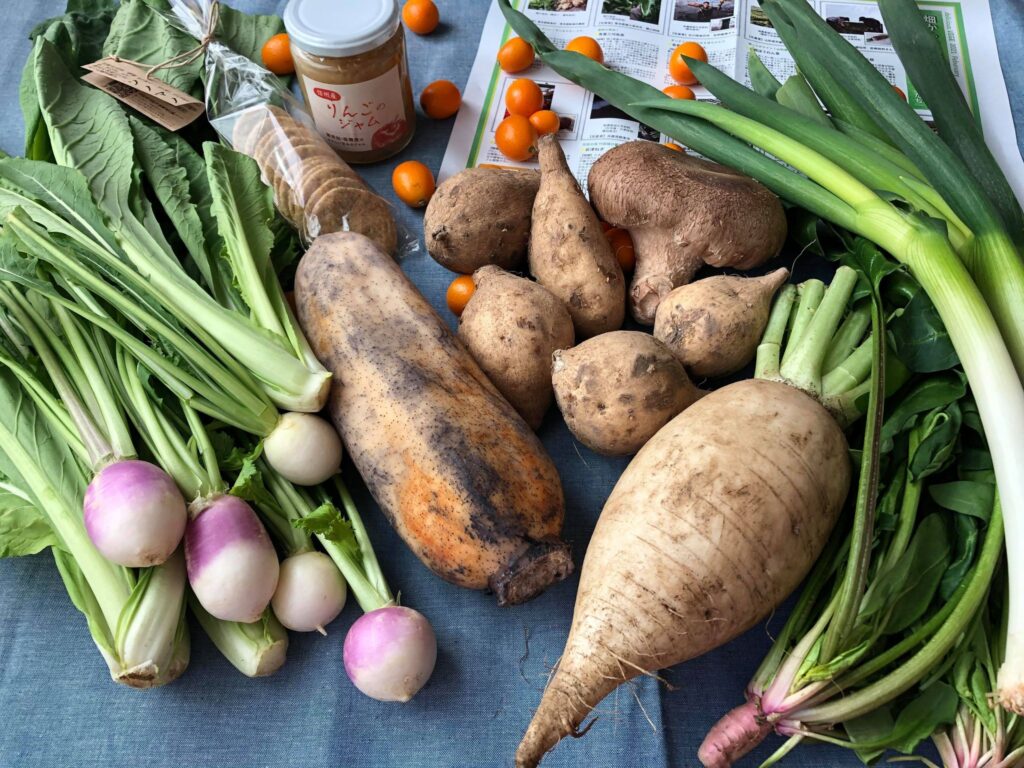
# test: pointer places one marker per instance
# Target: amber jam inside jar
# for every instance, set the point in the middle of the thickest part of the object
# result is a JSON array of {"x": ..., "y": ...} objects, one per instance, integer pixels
[{"x": 351, "y": 63}]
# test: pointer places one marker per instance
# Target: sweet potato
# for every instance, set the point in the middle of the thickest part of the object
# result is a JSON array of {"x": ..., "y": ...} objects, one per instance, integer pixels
[
  {"x": 709, "y": 528},
  {"x": 569, "y": 254},
  {"x": 617, "y": 389},
  {"x": 481, "y": 216},
  {"x": 459, "y": 474},
  {"x": 512, "y": 325}
]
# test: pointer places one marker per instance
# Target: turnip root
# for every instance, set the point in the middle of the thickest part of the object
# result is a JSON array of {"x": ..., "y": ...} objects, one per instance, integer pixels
[
  {"x": 134, "y": 513},
  {"x": 569, "y": 254},
  {"x": 511, "y": 326},
  {"x": 481, "y": 216},
  {"x": 717, "y": 518},
  {"x": 304, "y": 448},
  {"x": 682, "y": 213},
  {"x": 617, "y": 389},
  {"x": 714, "y": 325},
  {"x": 310, "y": 592},
  {"x": 232, "y": 566},
  {"x": 390, "y": 653}
]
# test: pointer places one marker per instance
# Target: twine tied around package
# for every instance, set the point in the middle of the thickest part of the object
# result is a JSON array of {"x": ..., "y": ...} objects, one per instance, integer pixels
[{"x": 187, "y": 57}]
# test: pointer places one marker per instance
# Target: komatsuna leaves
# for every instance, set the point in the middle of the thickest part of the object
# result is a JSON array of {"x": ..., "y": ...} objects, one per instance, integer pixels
[
  {"x": 79, "y": 35},
  {"x": 140, "y": 33},
  {"x": 88, "y": 131},
  {"x": 177, "y": 176}
]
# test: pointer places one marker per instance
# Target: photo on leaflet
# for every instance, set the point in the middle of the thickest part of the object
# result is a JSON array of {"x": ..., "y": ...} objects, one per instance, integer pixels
[
  {"x": 646, "y": 11},
  {"x": 857, "y": 19},
  {"x": 759, "y": 18},
  {"x": 704, "y": 11},
  {"x": 557, "y": 5},
  {"x": 602, "y": 110}
]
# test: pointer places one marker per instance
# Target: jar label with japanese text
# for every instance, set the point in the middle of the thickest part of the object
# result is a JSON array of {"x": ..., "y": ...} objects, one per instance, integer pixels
[{"x": 357, "y": 117}]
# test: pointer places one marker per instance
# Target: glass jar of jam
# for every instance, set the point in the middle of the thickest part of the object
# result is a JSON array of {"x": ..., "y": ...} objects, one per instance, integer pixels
[{"x": 350, "y": 60}]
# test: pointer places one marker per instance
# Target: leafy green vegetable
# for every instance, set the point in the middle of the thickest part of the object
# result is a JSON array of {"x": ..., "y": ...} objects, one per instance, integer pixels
[
  {"x": 79, "y": 36},
  {"x": 327, "y": 521},
  {"x": 24, "y": 530},
  {"x": 177, "y": 175},
  {"x": 141, "y": 33},
  {"x": 919, "y": 337}
]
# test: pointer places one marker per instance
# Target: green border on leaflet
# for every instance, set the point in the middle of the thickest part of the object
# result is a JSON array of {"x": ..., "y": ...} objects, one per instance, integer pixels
[{"x": 486, "y": 109}]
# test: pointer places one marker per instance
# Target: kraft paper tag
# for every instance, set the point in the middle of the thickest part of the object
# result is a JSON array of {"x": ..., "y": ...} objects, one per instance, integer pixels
[{"x": 126, "y": 81}]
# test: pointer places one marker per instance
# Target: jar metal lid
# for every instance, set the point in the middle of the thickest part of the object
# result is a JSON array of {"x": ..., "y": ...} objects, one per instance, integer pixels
[{"x": 339, "y": 28}]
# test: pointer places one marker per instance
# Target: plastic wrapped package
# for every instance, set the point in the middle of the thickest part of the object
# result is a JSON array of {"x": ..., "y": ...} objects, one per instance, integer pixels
[{"x": 249, "y": 107}]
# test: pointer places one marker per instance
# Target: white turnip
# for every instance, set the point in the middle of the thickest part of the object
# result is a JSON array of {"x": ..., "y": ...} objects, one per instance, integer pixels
[
  {"x": 390, "y": 653},
  {"x": 232, "y": 566},
  {"x": 310, "y": 592},
  {"x": 303, "y": 448}
]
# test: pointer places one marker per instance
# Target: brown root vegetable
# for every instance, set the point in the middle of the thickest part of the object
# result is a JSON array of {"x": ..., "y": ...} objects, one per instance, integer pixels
[
  {"x": 712, "y": 524},
  {"x": 714, "y": 325},
  {"x": 618, "y": 389},
  {"x": 569, "y": 254},
  {"x": 461, "y": 477},
  {"x": 682, "y": 212},
  {"x": 511, "y": 326},
  {"x": 481, "y": 216}
]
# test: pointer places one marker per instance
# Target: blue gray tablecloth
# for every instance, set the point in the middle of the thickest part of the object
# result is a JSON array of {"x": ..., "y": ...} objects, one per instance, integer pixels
[{"x": 58, "y": 708}]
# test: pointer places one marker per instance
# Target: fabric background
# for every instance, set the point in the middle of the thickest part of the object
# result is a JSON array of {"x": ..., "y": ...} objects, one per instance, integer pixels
[{"x": 58, "y": 707}]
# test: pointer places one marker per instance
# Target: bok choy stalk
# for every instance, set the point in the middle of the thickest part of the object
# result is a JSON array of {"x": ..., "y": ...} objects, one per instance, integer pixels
[
  {"x": 136, "y": 617},
  {"x": 134, "y": 513},
  {"x": 77, "y": 246},
  {"x": 89, "y": 131},
  {"x": 817, "y": 182}
]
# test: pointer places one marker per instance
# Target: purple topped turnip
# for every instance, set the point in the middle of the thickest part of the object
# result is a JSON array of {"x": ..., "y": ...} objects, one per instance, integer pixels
[
  {"x": 134, "y": 513},
  {"x": 232, "y": 565},
  {"x": 390, "y": 653}
]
